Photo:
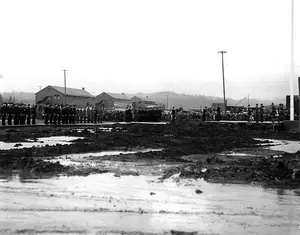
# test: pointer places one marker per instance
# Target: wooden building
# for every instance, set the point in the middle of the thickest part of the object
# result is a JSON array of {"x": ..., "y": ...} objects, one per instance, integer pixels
[
  {"x": 113, "y": 100},
  {"x": 58, "y": 95},
  {"x": 138, "y": 102}
]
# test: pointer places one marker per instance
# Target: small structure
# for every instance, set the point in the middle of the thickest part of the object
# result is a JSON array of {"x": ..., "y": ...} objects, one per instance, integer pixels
[
  {"x": 58, "y": 95},
  {"x": 113, "y": 101},
  {"x": 138, "y": 102},
  {"x": 215, "y": 106}
]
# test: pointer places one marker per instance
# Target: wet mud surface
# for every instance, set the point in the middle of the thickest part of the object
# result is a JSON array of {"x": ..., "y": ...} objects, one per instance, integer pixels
[
  {"x": 193, "y": 146},
  {"x": 105, "y": 204},
  {"x": 189, "y": 178}
]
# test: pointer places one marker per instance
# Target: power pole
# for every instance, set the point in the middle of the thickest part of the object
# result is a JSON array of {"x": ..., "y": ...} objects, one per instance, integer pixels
[
  {"x": 292, "y": 64},
  {"x": 167, "y": 100},
  {"x": 222, "y": 52},
  {"x": 65, "y": 80}
]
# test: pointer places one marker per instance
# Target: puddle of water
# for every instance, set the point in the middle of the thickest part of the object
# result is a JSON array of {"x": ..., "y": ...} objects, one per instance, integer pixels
[
  {"x": 99, "y": 202},
  {"x": 237, "y": 154},
  {"x": 92, "y": 130},
  {"x": 81, "y": 158},
  {"x": 40, "y": 142},
  {"x": 282, "y": 145}
]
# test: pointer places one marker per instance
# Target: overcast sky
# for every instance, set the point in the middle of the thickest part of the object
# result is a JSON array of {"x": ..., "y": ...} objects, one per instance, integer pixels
[{"x": 147, "y": 46}]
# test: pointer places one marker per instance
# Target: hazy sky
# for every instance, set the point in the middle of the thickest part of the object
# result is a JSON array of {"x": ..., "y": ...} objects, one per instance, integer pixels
[{"x": 146, "y": 46}]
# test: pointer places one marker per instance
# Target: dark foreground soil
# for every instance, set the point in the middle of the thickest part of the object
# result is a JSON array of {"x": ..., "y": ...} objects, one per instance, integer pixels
[{"x": 203, "y": 140}]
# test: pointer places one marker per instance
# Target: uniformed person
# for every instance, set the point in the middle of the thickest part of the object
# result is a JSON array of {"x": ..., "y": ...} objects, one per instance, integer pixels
[
  {"x": 249, "y": 113},
  {"x": 4, "y": 113},
  {"x": 63, "y": 114},
  {"x": 173, "y": 115},
  {"x": 33, "y": 114},
  {"x": 94, "y": 115},
  {"x": 256, "y": 113},
  {"x": 89, "y": 114},
  {"x": 59, "y": 114},
  {"x": 74, "y": 112},
  {"x": 67, "y": 114},
  {"x": 28, "y": 114},
  {"x": 16, "y": 113},
  {"x": 218, "y": 113},
  {"x": 23, "y": 114},
  {"x": 204, "y": 114},
  {"x": 280, "y": 112},
  {"x": 54, "y": 110},
  {"x": 46, "y": 114},
  {"x": 261, "y": 112},
  {"x": 273, "y": 113},
  {"x": 9, "y": 111}
]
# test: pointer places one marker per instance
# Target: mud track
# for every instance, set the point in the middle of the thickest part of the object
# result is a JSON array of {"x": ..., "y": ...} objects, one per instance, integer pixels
[{"x": 202, "y": 140}]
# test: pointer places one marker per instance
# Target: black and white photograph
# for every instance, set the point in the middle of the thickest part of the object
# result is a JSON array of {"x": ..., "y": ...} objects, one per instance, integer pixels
[{"x": 150, "y": 117}]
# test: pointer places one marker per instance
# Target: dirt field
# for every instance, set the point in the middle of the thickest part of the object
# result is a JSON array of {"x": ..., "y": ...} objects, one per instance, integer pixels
[
  {"x": 192, "y": 144},
  {"x": 147, "y": 173}
]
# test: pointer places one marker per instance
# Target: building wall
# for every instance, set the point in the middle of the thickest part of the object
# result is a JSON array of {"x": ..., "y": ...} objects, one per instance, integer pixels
[
  {"x": 110, "y": 102},
  {"x": 215, "y": 106},
  {"x": 55, "y": 97},
  {"x": 47, "y": 91}
]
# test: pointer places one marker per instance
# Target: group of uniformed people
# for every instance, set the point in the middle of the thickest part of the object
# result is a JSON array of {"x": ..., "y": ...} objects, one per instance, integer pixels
[
  {"x": 148, "y": 115},
  {"x": 18, "y": 114},
  {"x": 71, "y": 114}
]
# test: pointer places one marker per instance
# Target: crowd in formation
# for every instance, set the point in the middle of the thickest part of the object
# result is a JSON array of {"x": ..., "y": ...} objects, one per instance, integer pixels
[
  {"x": 18, "y": 114},
  {"x": 250, "y": 114},
  {"x": 21, "y": 114}
]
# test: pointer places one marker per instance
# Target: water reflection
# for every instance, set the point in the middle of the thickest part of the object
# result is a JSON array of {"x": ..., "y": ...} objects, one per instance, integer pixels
[
  {"x": 280, "y": 192},
  {"x": 282, "y": 145},
  {"x": 39, "y": 142},
  {"x": 23, "y": 176}
]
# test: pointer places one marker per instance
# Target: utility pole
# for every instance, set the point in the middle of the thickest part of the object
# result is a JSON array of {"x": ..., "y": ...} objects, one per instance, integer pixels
[
  {"x": 292, "y": 63},
  {"x": 167, "y": 100},
  {"x": 40, "y": 87},
  {"x": 65, "y": 80},
  {"x": 222, "y": 52}
]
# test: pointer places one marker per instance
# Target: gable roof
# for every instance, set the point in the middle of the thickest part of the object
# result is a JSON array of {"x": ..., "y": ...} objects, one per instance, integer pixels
[
  {"x": 72, "y": 91},
  {"x": 117, "y": 96},
  {"x": 145, "y": 99}
]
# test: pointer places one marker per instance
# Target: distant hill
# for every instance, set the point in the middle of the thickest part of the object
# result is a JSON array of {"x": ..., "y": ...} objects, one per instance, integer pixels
[
  {"x": 186, "y": 101},
  {"x": 24, "y": 97}
]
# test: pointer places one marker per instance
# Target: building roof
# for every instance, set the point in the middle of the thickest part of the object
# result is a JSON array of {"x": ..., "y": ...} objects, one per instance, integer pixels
[
  {"x": 72, "y": 91},
  {"x": 145, "y": 99},
  {"x": 117, "y": 96}
]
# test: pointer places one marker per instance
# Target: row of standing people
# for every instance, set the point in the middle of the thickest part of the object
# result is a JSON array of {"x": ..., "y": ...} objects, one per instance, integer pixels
[
  {"x": 18, "y": 114},
  {"x": 143, "y": 115},
  {"x": 257, "y": 114},
  {"x": 70, "y": 114},
  {"x": 66, "y": 114}
]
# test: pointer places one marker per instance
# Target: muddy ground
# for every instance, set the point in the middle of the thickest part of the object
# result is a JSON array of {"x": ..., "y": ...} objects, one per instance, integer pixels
[{"x": 195, "y": 147}]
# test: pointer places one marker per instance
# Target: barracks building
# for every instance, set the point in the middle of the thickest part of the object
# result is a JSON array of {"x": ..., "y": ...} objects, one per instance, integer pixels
[
  {"x": 113, "y": 100},
  {"x": 56, "y": 95}
]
